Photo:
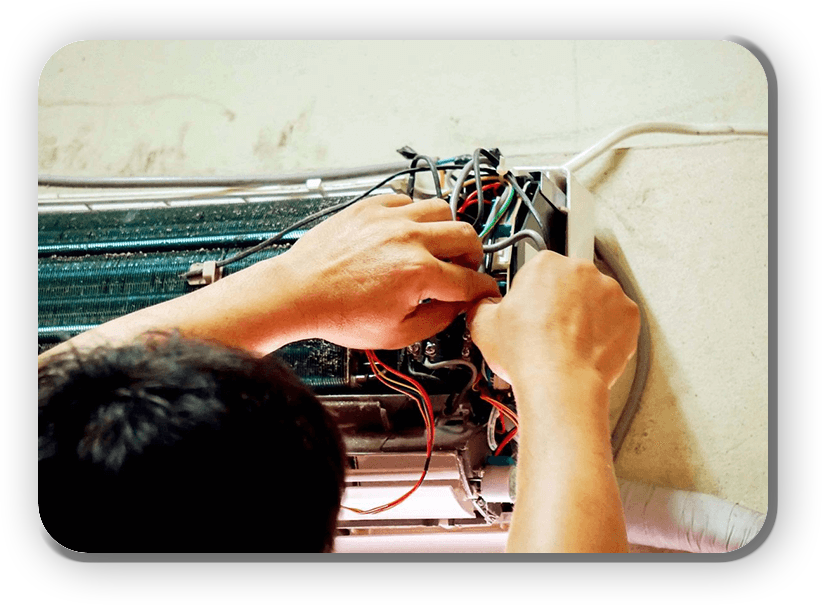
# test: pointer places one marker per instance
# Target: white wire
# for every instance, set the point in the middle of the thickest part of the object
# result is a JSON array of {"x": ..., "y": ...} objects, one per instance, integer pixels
[
  {"x": 662, "y": 127},
  {"x": 535, "y": 237}
]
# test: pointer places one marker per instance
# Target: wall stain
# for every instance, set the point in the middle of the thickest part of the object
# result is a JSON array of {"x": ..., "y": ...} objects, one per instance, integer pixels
[
  {"x": 270, "y": 143},
  {"x": 226, "y": 111},
  {"x": 146, "y": 159}
]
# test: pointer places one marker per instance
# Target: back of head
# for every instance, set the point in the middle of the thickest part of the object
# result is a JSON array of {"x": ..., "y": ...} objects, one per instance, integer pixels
[{"x": 171, "y": 445}]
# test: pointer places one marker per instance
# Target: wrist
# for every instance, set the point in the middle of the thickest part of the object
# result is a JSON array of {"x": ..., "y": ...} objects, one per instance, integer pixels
[
  {"x": 258, "y": 309},
  {"x": 287, "y": 298},
  {"x": 563, "y": 405}
]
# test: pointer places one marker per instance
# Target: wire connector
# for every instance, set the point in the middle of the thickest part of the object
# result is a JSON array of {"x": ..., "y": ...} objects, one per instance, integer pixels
[
  {"x": 202, "y": 274},
  {"x": 406, "y": 152},
  {"x": 502, "y": 168}
]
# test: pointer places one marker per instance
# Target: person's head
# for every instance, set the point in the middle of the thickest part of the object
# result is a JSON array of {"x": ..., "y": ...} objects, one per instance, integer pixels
[{"x": 172, "y": 445}]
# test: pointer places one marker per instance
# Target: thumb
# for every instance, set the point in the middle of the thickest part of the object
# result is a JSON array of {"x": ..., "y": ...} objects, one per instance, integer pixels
[{"x": 483, "y": 325}]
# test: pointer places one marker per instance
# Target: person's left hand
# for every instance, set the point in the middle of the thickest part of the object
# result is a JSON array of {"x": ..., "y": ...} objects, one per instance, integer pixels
[{"x": 363, "y": 273}]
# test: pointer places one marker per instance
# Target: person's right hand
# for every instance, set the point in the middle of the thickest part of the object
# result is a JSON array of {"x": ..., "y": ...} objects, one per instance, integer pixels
[{"x": 561, "y": 315}]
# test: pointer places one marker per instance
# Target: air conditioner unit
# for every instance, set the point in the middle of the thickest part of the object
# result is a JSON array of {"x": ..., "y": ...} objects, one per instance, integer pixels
[{"x": 107, "y": 253}]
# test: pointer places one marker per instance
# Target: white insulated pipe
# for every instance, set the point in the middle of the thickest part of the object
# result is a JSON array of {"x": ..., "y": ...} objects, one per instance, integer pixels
[{"x": 681, "y": 520}]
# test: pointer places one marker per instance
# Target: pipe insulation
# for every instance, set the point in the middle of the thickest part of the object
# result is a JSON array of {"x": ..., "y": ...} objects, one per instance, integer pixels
[{"x": 682, "y": 520}]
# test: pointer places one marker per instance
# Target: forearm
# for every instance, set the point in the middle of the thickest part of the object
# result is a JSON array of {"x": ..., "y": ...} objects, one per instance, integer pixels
[
  {"x": 258, "y": 309},
  {"x": 567, "y": 494}
]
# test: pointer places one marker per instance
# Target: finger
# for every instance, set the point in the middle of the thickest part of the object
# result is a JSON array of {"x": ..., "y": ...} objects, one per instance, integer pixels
[
  {"x": 452, "y": 239},
  {"x": 426, "y": 211},
  {"x": 469, "y": 261},
  {"x": 431, "y": 318},
  {"x": 452, "y": 283},
  {"x": 389, "y": 200}
]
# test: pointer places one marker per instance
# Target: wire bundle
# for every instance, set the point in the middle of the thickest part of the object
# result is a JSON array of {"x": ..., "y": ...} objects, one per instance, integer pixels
[
  {"x": 407, "y": 386},
  {"x": 488, "y": 179},
  {"x": 505, "y": 412},
  {"x": 486, "y": 168},
  {"x": 484, "y": 164}
]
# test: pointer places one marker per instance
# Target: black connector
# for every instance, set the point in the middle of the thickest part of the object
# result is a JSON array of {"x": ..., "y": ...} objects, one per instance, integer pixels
[{"x": 406, "y": 152}]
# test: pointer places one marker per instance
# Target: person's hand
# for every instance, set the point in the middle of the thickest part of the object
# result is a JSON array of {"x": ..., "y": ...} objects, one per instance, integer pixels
[
  {"x": 561, "y": 315},
  {"x": 364, "y": 272}
]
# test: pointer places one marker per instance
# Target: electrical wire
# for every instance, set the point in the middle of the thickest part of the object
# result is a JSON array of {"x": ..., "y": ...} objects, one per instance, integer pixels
[
  {"x": 453, "y": 364},
  {"x": 508, "y": 194},
  {"x": 459, "y": 184},
  {"x": 480, "y": 200},
  {"x": 428, "y": 417},
  {"x": 506, "y": 441},
  {"x": 48, "y": 180},
  {"x": 535, "y": 237},
  {"x": 490, "y": 434},
  {"x": 434, "y": 173},
  {"x": 529, "y": 204},
  {"x": 643, "y": 350},
  {"x": 503, "y": 409},
  {"x": 661, "y": 127},
  {"x": 474, "y": 197},
  {"x": 388, "y": 376},
  {"x": 309, "y": 219},
  {"x": 275, "y": 238}
]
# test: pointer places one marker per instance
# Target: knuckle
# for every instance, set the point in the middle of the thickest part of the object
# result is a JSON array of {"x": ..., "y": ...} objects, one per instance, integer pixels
[
  {"x": 421, "y": 265},
  {"x": 439, "y": 206},
  {"x": 542, "y": 260},
  {"x": 466, "y": 230},
  {"x": 633, "y": 312},
  {"x": 631, "y": 319},
  {"x": 408, "y": 236},
  {"x": 583, "y": 269},
  {"x": 394, "y": 197},
  {"x": 611, "y": 285}
]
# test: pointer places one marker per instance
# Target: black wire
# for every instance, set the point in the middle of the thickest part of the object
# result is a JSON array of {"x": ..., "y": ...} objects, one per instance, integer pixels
[
  {"x": 434, "y": 173},
  {"x": 317, "y": 215}
]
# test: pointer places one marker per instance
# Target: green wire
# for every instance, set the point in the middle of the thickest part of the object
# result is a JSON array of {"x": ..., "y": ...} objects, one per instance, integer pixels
[{"x": 492, "y": 222}]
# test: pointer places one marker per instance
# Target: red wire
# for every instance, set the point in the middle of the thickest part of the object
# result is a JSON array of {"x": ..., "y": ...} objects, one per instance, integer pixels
[
  {"x": 429, "y": 425},
  {"x": 428, "y": 416},
  {"x": 506, "y": 441},
  {"x": 416, "y": 384},
  {"x": 473, "y": 198},
  {"x": 502, "y": 408}
]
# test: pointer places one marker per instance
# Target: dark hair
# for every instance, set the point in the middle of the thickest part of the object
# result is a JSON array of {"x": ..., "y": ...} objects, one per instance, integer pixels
[{"x": 173, "y": 445}]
